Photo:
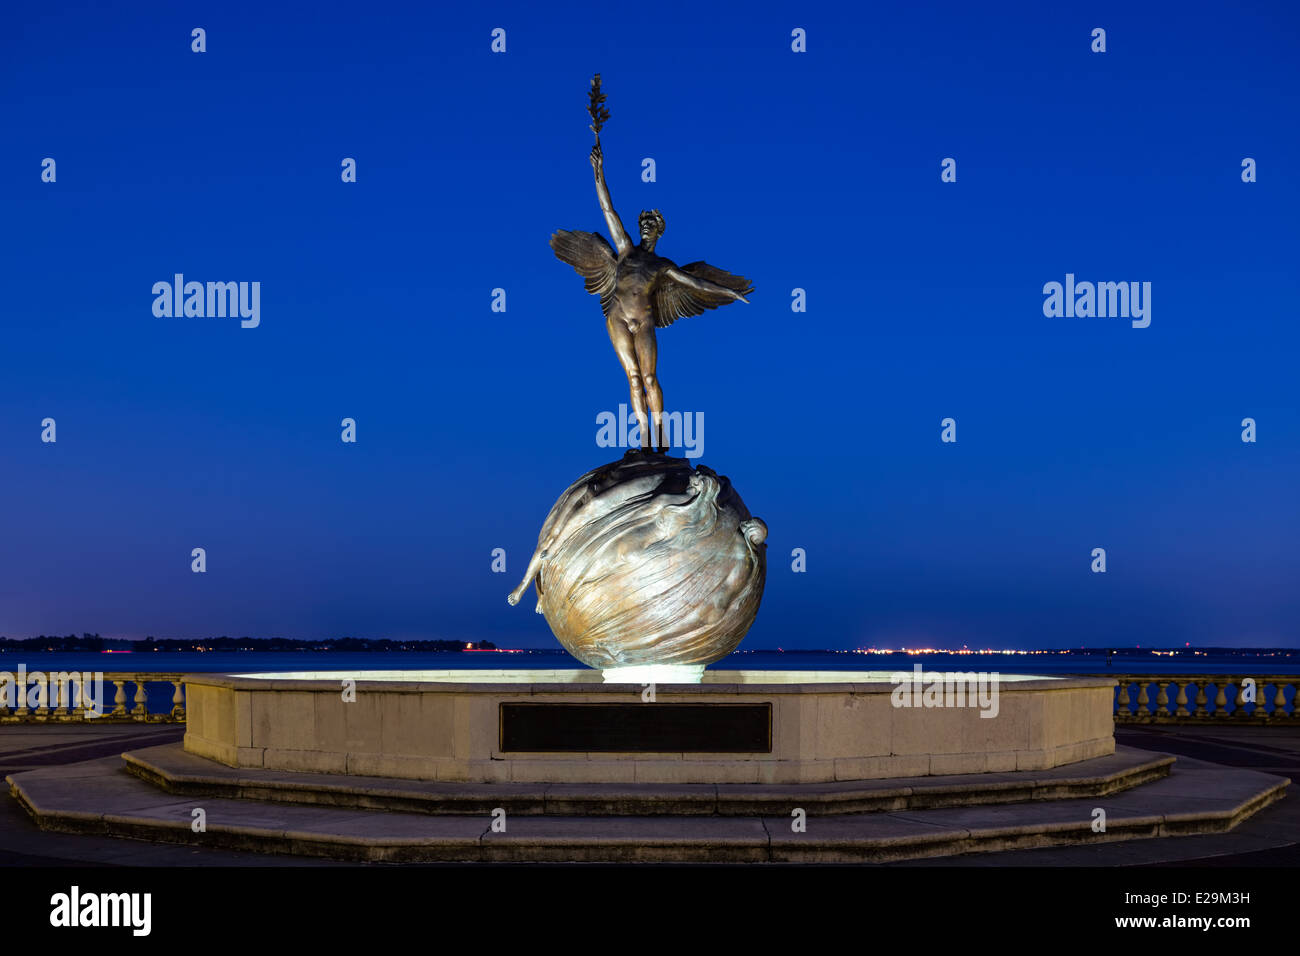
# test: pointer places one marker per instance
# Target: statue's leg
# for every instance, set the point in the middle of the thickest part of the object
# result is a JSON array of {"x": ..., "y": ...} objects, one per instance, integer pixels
[
  {"x": 626, "y": 350},
  {"x": 647, "y": 352},
  {"x": 556, "y": 523},
  {"x": 533, "y": 566}
]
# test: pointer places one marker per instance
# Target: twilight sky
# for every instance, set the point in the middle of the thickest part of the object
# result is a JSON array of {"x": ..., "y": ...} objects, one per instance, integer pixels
[{"x": 817, "y": 170}]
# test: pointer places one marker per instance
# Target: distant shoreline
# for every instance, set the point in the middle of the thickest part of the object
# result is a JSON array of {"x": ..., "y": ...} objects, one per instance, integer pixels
[{"x": 94, "y": 644}]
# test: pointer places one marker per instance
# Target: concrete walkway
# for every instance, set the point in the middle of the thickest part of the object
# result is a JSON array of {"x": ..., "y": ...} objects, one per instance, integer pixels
[
  {"x": 168, "y": 767},
  {"x": 22, "y": 843},
  {"x": 1269, "y": 837}
]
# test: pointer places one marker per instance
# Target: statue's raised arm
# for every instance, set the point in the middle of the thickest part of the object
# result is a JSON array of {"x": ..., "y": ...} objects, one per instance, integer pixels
[{"x": 616, "y": 231}]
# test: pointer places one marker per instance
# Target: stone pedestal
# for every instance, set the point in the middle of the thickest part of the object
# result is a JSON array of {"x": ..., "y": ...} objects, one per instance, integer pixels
[{"x": 456, "y": 726}]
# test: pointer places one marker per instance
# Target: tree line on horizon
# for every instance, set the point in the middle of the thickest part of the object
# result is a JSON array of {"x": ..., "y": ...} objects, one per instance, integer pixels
[{"x": 94, "y": 643}]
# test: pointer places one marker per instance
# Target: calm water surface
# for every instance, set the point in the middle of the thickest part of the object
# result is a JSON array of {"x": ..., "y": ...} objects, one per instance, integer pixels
[{"x": 249, "y": 661}]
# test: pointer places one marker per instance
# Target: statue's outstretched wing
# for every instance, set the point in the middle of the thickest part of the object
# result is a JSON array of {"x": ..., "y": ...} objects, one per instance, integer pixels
[
  {"x": 592, "y": 257},
  {"x": 673, "y": 300}
]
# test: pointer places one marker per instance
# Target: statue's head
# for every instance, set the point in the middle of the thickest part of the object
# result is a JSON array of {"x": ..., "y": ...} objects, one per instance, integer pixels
[{"x": 652, "y": 227}]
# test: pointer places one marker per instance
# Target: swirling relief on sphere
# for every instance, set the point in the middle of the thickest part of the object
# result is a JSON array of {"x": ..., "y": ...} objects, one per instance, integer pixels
[{"x": 648, "y": 560}]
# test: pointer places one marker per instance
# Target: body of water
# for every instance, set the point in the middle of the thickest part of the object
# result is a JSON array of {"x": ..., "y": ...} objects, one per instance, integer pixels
[
  {"x": 1284, "y": 662},
  {"x": 159, "y": 695}
]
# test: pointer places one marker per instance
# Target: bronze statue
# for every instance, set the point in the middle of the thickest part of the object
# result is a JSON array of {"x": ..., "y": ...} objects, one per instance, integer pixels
[
  {"x": 639, "y": 290},
  {"x": 648, "y": 561}
]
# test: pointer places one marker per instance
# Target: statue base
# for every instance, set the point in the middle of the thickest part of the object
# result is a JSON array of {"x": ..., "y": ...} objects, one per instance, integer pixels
[
  {"x": 654, "y": 674},
  {"x": 563, "y": 726}
]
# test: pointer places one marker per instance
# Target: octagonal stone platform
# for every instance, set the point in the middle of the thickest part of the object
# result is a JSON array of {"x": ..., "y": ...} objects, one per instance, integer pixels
[{"x": 821, "y": 726}]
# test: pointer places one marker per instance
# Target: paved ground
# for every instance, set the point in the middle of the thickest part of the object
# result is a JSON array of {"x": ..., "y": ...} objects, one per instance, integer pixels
[
  {"x": 28, "y": 746},
  {"x": 1270, "y": 838}
]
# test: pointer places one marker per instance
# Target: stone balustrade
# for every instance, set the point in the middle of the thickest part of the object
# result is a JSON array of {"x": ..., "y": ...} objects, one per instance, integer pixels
[
  {"x": 64, "y": 696},
  {"x": 1139, "y": 699},
  {"x": 1200, "y": 698}
]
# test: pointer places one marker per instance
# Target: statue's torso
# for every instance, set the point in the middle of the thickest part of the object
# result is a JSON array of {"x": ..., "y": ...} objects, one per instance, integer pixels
[{"x": 635, "y": 275}]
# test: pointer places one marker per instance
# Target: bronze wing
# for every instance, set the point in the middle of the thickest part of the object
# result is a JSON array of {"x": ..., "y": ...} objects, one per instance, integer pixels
[
  {"x": 593, "y": 259},
  {"x": 673, "y": 300}
]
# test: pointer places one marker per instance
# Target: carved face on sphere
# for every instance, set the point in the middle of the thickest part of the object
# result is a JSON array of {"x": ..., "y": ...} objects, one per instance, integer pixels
[{"x": 652, "y": 227}]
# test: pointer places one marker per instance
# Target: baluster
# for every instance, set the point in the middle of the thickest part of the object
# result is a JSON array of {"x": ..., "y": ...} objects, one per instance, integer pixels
[
  {"x": 1181, "y": 700},
  {"x": 90, "y": 703},
  {"x": 1122, "y": 705},
  {"x": 1261, "y": 701},
  {"x": 60, "y": 693},
  {"x": 1279, "y": 699},
  {"x": 43, "y": 698},
  {"x": 1143, "y": 709},
  {"x": 1162, "y": 699},
  {"x": 119, "y": 698},
  {"x": 178, "y": 700},
  {"x": 141, "y": 709},
  {"x": 1239, "y": 703},
  {"x": 96, "y": 705},
  {"x": 100, "y": 704},
  {"x": 6, "y": 683},
  {"x": 1221, "y": 698},
  {"x": 22, "y": 710},
  {"x": 1295, "y": 699},
  {"x": 1201, "y": 699}
]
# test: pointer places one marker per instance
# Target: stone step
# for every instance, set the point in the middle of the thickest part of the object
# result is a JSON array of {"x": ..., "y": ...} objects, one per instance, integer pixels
[
  {"x": 170, "y": 768},
  {"x": 101, "y": 797}
]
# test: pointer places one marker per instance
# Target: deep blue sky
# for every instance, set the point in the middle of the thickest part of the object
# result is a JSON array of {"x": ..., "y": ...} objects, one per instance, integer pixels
[{"x": 816, "y": 170}]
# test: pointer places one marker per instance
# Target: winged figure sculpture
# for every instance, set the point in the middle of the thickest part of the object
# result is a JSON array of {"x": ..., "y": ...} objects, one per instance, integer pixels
[{"x": 641, "y": 291}]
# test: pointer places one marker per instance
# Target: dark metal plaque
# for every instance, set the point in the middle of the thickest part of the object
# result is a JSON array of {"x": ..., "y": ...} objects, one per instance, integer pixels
[{"x": 636, "y": 728}]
